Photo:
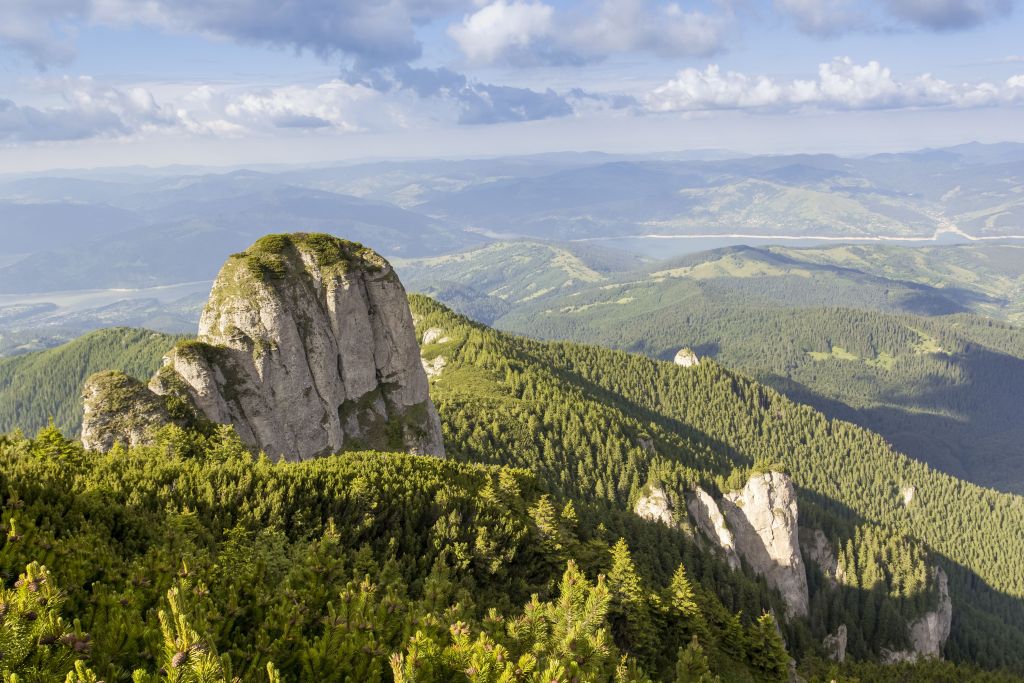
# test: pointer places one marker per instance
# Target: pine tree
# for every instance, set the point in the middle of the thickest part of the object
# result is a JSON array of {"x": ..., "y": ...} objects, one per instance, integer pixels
[
  {"x": 682, "y": 594},
  {"x": 630, "y": 613},
  {"x": 766, "y": 650},
  {"x": 692, "y": 665}
]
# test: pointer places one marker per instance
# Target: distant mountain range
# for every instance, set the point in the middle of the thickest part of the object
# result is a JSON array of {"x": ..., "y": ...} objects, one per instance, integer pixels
[{"x": 145, "y": 227}]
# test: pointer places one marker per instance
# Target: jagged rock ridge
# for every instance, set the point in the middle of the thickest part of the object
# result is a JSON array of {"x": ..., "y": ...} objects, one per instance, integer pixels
[
  {"x": 307, "y": 347},
  {"x": 757, "y": 524}
]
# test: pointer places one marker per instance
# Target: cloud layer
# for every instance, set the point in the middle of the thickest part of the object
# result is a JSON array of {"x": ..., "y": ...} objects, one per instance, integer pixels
[
  {"x": 832, "y": 17},
  {"x": 841, "y": 85},
  {"x": 88, "y": 109}
]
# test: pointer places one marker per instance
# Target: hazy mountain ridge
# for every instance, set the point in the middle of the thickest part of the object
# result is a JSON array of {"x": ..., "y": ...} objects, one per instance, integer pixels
[{"x": 118, "y": 221}]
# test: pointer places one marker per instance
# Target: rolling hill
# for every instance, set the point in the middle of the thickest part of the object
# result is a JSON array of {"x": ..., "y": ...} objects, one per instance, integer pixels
[{"x": 908, "y": 357}]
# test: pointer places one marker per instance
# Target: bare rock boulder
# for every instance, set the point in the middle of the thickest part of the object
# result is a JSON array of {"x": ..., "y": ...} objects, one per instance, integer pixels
[
  {"x": 307, "y": 347},
  {"x": 686, "y": 358},
  {"x": 835, "y": 644},
  {"x": 816, "y": 548},
  {"x": 929, "y": 632}
]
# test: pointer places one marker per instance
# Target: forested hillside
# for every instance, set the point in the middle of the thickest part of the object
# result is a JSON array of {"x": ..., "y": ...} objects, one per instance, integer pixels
[
  {"x": 47, "y": 384},
  {"x": 907, "y": 359},
  {"x": 409, "y": 568},
  {"x": 540, "y": 405},
  {"x": 189, "y": 560}
]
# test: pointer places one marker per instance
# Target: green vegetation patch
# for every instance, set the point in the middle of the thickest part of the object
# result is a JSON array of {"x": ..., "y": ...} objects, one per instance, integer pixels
[
  {"x": 272, "y": 257},
  {"x": 120, "y": 394}
]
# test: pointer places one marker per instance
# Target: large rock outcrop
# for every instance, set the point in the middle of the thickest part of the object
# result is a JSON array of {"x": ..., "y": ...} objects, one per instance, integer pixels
[
  {"x": 763, "y": 520},
  {"x": 654, "y": 505},
  {"x": 686, "y": 358},
  {"x": 307, "y": 347},
  {"x": 929, "y": 632},
  {"x": 119, "y": 409}
]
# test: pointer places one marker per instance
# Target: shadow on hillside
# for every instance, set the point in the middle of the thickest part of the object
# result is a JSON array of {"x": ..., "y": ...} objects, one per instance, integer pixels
[
  {"x": 643, "y": 414},
  {"x": 972, "y": 429},
  {"x": 974, "y": 600}
]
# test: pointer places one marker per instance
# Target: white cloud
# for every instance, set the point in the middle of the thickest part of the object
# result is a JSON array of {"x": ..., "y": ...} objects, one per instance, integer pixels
[
  {"x": 501, "y": 26},
  {"x": 644, "y": 26},
  {"x": 841, "y": 84},
  {"x": 532, "y": 32},
  {"x": 86, "y": 109}
]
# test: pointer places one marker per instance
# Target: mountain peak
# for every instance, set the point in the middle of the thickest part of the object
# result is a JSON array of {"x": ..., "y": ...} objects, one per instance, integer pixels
[{"x": 307, "y": 347}]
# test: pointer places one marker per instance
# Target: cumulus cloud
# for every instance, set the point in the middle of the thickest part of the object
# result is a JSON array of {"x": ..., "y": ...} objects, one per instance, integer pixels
[
  {"x": 500, "y": 27},
  {"x": 521, "y": 32},
  {"x": 86, "y": 109},
  {"x": 841, "y": 84},
  {"x": 403, "y": 97}
]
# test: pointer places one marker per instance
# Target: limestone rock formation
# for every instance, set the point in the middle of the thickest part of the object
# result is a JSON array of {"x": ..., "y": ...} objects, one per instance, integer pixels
[
  {"x": 435, "y": 335},
  {"x": 434, "y": 366},
  {"x": 686, "y": 358},
  {"x": 655, "y": 506},
  {"x": 835, "y": 644},
  {"x": 708, "y": 517},
  {"x": 929, "y": 632},
  {"x": 119, "y": 409},
  {"x": 815, "y": 548},
  {"x": 306, "y": 346},
  {"x": 763, "y": 520},
  {"x": 908, "y": 493}
]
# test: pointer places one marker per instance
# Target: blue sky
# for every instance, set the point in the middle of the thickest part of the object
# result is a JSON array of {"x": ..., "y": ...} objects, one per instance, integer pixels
[{"x": 112, "y": 82}]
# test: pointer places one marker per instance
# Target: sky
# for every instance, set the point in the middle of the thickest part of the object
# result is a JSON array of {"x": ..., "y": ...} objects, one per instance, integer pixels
[{"x": 88, "y": 83}]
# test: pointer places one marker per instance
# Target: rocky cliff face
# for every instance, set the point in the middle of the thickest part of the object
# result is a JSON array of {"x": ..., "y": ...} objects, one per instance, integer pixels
[
  {"x": 655, "y": 505},
  {"x": 817, "y": 549},
  {"x": 119, "y": 409},
  {"x": 835, "y": 644},
  {"x": 763, "y": 520},
  {"x": 708, "y": 518},
  {"x": 307, "y": 347}
]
